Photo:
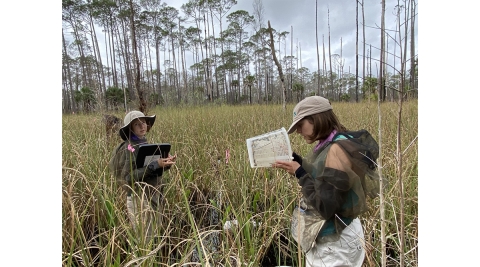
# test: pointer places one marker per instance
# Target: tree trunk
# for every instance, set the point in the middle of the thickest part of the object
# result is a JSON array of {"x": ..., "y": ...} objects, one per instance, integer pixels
[
  {"x": 212, "y": 53},
  {"x": 76, "y": 36},
  {"x": 330, "y": 58},
  {"x": 279, "y": 67},
  {"x": 107, "y": 55},
  {"x": 142, "y": 104},
  {"x": 182, "y": 53},
  {"x": 151, "y": 89},
  {"x": 356, "y": 55},
  {"x": 179, "y": 72},
  {"x": 318, "y": 53},
  {"x": 125, "y": 51},
  {"x": 69, "y": 76},
  {"x": 370, "y": 58},
  {"x": 175, "y": 79},
  {"x": 291, "y": 67},
  {"x": 112, "y": 53},
  {"x": 381, "y": 93},
  {"x": 224, "y": 89},
  {"x": 98, "y": 58},
  {"x": 364, "y": 55},
  {"x": 121, "y": 66},
  {"x": 265, "y": 69},
  {"x": 324, "y": 72},
  {"x": 340, "y": 70},
  {"x": 413, "y": 86},
  {"x": 157, "y": 54},
  {"x": 207, "y": 67}
]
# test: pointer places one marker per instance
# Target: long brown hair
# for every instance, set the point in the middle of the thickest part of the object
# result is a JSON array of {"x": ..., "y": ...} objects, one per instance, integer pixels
[{"x": 323, "y": 124}]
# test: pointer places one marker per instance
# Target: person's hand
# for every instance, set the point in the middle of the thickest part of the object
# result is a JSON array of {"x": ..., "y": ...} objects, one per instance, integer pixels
[
  {"x": 167, "y": 162},
  {"x": 289, "y": 166},
  {"x": 172, "y": 158}
]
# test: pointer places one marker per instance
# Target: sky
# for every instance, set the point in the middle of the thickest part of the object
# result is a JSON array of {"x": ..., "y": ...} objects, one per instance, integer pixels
[
  {"x": 300, "y": 15},
  {"x": 32, "y": 132}
]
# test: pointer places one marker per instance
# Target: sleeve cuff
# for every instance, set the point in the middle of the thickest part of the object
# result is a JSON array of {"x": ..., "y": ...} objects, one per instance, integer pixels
[{"x": 300, "y": 172}]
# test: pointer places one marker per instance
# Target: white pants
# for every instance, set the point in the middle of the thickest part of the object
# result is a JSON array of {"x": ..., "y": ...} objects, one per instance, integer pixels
[
  {"x": 347, "y": 251},
  {"x": 143, "y": 218}
]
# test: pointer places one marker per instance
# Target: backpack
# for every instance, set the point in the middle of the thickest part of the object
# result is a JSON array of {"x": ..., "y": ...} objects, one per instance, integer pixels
[
  {"x": 117, "y": 161},
  {"x": 364, "y": 151}
]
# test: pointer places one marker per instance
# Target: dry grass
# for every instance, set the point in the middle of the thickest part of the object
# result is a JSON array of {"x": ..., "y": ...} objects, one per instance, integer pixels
[{"x": 95, "y": 229}]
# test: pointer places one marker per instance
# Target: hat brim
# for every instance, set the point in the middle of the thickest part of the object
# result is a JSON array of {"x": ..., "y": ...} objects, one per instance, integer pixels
[
  {"x": 293, "y": 127},
  {"x": 125, "y": 130}
]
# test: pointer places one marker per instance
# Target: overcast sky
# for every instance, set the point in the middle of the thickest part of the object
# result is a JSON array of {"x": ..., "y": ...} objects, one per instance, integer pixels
[{"x": 300, "y": 14}]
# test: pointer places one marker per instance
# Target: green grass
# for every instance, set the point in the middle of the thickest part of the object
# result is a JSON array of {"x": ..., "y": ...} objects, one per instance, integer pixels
[{"x": 95, "y": 226}]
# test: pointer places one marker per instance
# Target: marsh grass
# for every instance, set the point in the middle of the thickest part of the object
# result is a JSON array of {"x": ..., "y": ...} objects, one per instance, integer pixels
[{"x": 95, "y": 229}]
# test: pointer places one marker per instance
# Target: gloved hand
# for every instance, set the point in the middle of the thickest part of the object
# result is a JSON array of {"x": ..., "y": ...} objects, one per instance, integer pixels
[{"x": 297, "y": 158}]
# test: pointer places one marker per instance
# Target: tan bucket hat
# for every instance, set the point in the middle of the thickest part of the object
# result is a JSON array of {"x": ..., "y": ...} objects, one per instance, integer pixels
[
  {"x": 132, "y": 115},
  {"x": 308, "y": 106}
]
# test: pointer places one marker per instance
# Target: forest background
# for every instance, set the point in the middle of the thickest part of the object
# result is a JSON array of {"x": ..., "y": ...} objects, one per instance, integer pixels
[
  {"x": 211, "y": 51},
  {"x": 44, "y": 239}
]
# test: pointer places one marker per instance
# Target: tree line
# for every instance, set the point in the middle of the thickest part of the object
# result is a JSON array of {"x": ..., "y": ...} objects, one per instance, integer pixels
[{"x": 146, "y": 44}]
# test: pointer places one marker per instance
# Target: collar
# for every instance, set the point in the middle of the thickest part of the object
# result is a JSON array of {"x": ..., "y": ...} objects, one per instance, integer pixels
[
  {"x": 323, "y": 142},
  {"x": 135, "y": 139}
]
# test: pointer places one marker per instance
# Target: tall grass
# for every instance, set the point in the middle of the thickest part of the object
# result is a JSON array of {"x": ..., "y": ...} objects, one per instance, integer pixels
[{"x": 202, "y": 185}]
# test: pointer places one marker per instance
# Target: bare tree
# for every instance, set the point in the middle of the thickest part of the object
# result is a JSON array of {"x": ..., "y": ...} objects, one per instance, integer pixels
[
  {"x": 181, "y": 51},
  {"x": 66, "y": 66},
  {"x": 142, "y": 103},
  {"x": 381, "y": 87},
  {"x": 330, "y": 58},
  {"x": 356, "y": 54},
  {"x": 318, "y": 53},
  {"x": 363, "y": 32},
  {"x": 341, "y": 65},
  {"x": 324, "y": 65},
  {"x": 207, "y": 60},
  {"x": 412, "y": 46},
  {"x": 258, "y": 13},
  {"x": 279, "y": 67},
  {"x": 291, "y": 63}
]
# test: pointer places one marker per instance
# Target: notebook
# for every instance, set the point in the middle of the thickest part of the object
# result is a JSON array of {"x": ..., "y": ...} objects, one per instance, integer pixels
[{"x": 151, "y": 152}]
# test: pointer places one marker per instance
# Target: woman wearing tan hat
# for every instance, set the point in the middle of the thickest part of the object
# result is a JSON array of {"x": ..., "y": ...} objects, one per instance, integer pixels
[
  {"x": 143, "y": 185},
  {"x": 335, "y": 178}
]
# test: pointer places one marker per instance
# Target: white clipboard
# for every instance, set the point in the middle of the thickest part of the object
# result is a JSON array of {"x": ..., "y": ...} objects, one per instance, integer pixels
[{"x": 265, "y": 149}]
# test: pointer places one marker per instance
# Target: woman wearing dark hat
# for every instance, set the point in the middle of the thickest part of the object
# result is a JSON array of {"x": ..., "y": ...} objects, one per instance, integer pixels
[
  {"x": 335, "y": 178},
  {"x": 143, "y": 185}
]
